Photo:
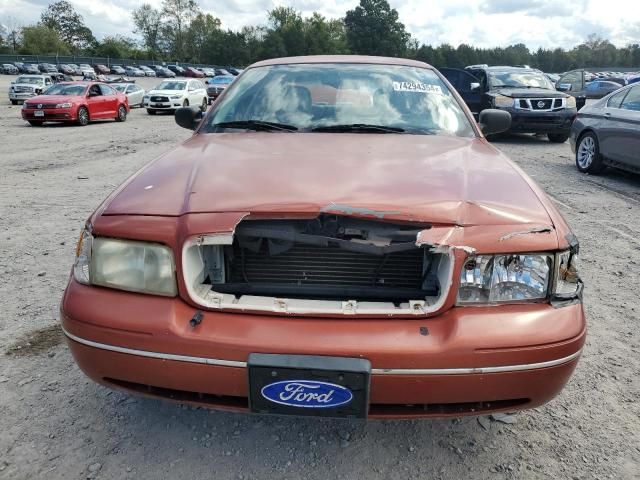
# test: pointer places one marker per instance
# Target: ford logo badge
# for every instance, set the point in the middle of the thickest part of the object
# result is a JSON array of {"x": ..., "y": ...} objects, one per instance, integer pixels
[{"x": 307, "y": 394}]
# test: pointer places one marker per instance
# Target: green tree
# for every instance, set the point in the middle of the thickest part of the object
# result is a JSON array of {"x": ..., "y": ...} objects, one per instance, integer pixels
[
  {"x": 42, "y": 40},
  {"x": 373, "y": 28},
  {"x": 324, "y": 37},
  {"x": 203, "y": 31},
  {"x": 148, "y": 21},
  {"x": 62, "y": 17},
  {"x": 177, "y": 17},
  {"x": 116, "y": 47}
]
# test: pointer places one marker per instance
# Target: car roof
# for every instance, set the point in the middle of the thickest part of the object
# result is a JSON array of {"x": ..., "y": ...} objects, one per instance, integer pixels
[{"x": 364, "y": 59}]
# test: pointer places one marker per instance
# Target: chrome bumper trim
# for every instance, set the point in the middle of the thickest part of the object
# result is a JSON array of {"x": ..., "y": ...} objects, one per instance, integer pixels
[{"x": 374, "y": 371}]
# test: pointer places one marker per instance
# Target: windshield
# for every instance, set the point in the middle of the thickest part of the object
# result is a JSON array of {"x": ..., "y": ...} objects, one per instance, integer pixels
[
  {"x": 30, "y": 80},
  {"x": 119, "y": 88},
  {"x": 221, "y": 80},
  {"x": 514, "y": 79},
  {"x": 171, "y": 86},
  {"x": 306, "y": 97},
  {"x": 62, "y": 89}
]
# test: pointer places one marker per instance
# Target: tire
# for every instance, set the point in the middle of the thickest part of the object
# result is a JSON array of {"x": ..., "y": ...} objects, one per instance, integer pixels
[
  {"x": 122, "y": 114},
  {"x": 558, "y": 137},
  {"x": 588, "y": 158},
  {"x": 83, "y": 116},
  {"x": 151, "y": 112},
  {"x": 14, "y": 102},
  {"x": 185, "y": 103},
  {"x": 204, "y": 105},
  {"x": 35, "y": 123}
]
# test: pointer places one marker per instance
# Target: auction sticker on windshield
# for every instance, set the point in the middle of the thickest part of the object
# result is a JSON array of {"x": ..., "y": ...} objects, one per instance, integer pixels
[{"x": 417, "y": 87}]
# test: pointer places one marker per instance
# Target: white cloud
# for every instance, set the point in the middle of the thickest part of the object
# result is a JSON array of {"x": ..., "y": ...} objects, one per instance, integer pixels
[{"x": 487, "y": 23}]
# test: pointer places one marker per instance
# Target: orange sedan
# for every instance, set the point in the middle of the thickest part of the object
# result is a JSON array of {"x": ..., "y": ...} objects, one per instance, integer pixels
[{"x": 337, "y": 239}]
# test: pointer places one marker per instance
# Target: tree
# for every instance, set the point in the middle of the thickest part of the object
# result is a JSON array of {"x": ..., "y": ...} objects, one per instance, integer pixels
[
  {"x": 178, "y": 15},
  {"x": 148, "y": 21},
  {"x": 12, "y": 33},
  {"x": 116, "y": 47},
  {"x": 373, "y": 28},
  {"x": 42, "y": 40},
  {"x": 204, "y": 31},
  {"x": 322, "y": 36},
  {"x": 61, "y": 17}
]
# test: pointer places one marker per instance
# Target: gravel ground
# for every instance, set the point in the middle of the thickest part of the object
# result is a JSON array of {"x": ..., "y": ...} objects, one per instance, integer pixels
[{"x": 56, "y": 424}]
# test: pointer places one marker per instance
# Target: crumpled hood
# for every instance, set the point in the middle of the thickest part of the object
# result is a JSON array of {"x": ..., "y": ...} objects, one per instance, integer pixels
[
  {"x": 437, "y": 179},
  {"x": 530, "y": 93}
]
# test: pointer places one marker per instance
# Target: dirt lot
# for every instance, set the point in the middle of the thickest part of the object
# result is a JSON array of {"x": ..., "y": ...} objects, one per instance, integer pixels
[{"x": 56, "y": 424}]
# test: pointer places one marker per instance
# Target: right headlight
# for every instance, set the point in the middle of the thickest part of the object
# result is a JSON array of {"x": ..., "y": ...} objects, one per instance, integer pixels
[
  {"x": 505, "y": 278},
  {"x": 130, "y": 265},
  {"x": 571, "y": 102}
]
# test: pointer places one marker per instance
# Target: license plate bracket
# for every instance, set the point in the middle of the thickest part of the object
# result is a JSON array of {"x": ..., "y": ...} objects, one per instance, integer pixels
[
  {"x": 309, "y": 385},
  {"x": 38, "y": 113}
]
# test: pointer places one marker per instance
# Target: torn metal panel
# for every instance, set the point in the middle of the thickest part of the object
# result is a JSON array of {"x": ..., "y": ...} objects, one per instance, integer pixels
[
  {"x": 339, "y": 209},
  {"x": 537, "y": 229}
]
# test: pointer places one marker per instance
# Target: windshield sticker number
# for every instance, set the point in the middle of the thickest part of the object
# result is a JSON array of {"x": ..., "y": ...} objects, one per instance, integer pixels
[{"x": 417, "y": 87}]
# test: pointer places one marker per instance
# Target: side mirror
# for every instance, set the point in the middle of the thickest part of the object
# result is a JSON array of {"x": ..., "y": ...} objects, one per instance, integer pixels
[
  {"x": 475, "y": 86},
  {"x": 563, "y": 87},
  {"x": 494, "y": 121},
  {"x": 13, "y": 83},
  {"x": 188, "y": 117}
]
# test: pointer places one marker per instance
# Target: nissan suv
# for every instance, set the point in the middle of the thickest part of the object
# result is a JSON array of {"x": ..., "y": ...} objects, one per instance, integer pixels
[{"x": 526, "y": 93}]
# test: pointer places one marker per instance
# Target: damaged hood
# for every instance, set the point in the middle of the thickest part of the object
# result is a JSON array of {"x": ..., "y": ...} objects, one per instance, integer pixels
[
  {"x": 426, "y": 178},
  {"x": 530, "y": 93}
]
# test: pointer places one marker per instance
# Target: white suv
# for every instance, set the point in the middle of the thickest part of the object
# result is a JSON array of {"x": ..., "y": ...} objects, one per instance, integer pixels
[{"x": 172, "y": 94}]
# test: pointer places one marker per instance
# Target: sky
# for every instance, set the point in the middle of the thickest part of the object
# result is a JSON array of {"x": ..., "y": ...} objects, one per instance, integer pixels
[{"x": 481, "y": 23}]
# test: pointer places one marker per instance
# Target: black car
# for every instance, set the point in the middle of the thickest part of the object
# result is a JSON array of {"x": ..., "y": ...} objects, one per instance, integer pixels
[
  {"x": 31, "y": 68},
  {"x": 177, "y": 69},
  {"x": 163, "y": 72},
  {"x": 8, "y": 69},
  {"x": 527, "y": 94},
  {"x": 607, "y": 133},
  {"x": 66, "y": 69},
  {"x": 47, "y": 68}
]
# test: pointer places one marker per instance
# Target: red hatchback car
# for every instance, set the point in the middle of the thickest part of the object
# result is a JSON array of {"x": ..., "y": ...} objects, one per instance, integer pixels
[
  {"x": 337, "y": 238},
  {"x": 192, "y": 72},
  {"x": 79, "y": 102}
]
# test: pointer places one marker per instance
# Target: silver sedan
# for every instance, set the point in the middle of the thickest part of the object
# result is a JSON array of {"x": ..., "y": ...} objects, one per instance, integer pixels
[{"x": 133, "y": 92}]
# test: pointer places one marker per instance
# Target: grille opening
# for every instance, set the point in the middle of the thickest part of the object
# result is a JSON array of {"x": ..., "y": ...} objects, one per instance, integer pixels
[
  {"x": 326, "y": 259},
  {"x": 376, "y": 409}
]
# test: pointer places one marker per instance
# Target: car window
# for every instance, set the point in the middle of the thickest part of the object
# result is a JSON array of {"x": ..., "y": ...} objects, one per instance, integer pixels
[
  {"x": 106, "y": 90},
  {"x": 519, "y": 79},
  {"x": 29, "y": 80},
  {"x": 615, "y": 100},
  {"x": 632, "y": 100},
  {"x": 171, "y": 86},
  {"x": 66, "y": 89},
  {"x": 310, "y": 96},
  {"x": 47, "y": 81},
  {"x": 573, "y": 79},
  {"x": 94, "y": 91}
]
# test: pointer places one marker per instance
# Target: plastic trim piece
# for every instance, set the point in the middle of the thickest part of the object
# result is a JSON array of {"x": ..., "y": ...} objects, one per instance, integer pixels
[{"x": 374, "y": 371}]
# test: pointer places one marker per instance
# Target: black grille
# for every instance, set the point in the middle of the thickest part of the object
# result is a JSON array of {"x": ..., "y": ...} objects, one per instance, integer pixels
[
  {"x": 308, "y": 271},
  {"x": 311, "y": 265},
  {"x": 41, "y": 105},
  {"x": 557, "y": 103},
  {"x": 539, "y": 104},
  {"x": 159, "y": 99}
]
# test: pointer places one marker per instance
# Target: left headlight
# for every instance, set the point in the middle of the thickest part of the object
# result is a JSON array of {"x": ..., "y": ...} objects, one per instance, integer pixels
[
  {"x": 176, "y": 97},
  {"x": 505, "y": 278},
  {"x": 63, "y": 105},
  {"x": 502, "y": 101},
  {"x": 125, "y": 265}
]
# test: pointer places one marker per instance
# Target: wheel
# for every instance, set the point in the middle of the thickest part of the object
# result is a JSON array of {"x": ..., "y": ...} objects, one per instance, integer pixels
[
  {"x": 558, "y": 137},
  {"x": 588, "y": 158},
  {"x": 122, "y": 114},
  {"x": 204, "y": 105},
  {"x": 151, "y": 112},
  {"x": 14, "y": 102},
  {"x": 35, "y": 123},
  {"x": 83, "y": 116},
  {"x": 185, "y": 103}
]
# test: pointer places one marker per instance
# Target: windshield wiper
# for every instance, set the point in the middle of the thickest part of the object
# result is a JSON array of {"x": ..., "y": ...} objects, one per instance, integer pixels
[
  {"x": 257, "y": 125},
  {"x": 358, "y": 127}
]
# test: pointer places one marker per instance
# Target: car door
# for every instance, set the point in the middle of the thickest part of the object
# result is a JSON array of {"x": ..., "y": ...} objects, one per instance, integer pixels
[
  {"x": 573, "y": 83},
  {"x": 624, "y": 129},
  {"x": 135, "y": 94},
  {"x": 95, "y": 102},
  {"x": 467, "y": 85},
  {"x": 110, "y": 100},
  {"x": 604, "y": 121}
]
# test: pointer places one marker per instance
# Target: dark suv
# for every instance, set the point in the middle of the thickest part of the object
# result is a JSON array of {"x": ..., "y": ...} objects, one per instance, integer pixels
[{"x": 527, "y": 94}]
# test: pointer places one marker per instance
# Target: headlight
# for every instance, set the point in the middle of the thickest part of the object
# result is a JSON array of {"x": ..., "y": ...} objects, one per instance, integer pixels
[
  {"x": 505, "y": 278},
  {"x": 502, "y": 101},
  {"x": 571, "y": 102},
  {"x": 63, "y": 105},
  {"x": 125, "y": 265},
  {"x": 176, "y": 97}
]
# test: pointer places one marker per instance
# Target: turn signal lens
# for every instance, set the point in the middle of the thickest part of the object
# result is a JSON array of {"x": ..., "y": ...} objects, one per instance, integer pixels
[
  {"x": 83, "y": 258},
  {"x": 571, "y": 102}
]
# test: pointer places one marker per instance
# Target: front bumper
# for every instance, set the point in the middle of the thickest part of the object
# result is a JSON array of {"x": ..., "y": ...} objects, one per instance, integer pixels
[
  {"x": 21, "y": 95},
  {"x": 472, "y": 360},
  {"x": 50, "y": 115},
  {"x": 523, "y": 121}
]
